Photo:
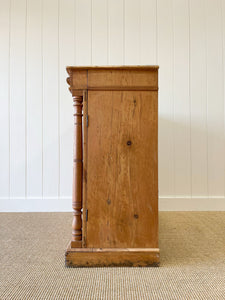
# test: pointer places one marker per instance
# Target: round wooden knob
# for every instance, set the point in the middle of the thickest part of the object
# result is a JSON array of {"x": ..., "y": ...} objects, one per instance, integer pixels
[{"x": 129, "y": 143}]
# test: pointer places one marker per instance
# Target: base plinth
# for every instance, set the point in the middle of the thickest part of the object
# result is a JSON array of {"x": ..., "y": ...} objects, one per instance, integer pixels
[{"x": 112, "y": 257}]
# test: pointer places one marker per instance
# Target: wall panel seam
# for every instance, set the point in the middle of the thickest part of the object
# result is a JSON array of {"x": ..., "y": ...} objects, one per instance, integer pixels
[
  {"x": 9, "y": 98},
  {"x": 189, "y": 95},
  {"x": 25, "y": 100},
  {"x": 124, "y": 37},
  {"x": 139, "y": 30},
  {"x": 173, "y": 111},
  {"x": 75, "y": 31},
  {"x": 156, "y": 34},
  {"x": 58, "y": 78},
  {"x": 108, "y": 49},
  {"x": 42, "y": 103},
  {"x": 223, "y": 75},
  {"x": 207, "y": 137},
  {"x": 91, "y": 31}
]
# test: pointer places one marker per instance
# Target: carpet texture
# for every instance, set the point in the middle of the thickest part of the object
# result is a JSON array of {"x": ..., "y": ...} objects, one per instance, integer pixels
[{"x": 192, "y": 249}]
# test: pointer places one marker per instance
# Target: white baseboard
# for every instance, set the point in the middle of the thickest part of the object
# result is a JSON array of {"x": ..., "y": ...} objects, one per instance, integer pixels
[
  {"x": 63, "y": 204},
  {"x": 35, "y": 204}
]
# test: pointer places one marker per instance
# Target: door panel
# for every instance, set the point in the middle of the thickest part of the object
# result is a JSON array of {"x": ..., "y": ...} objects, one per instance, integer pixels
[{"x": 122, "y": 180}]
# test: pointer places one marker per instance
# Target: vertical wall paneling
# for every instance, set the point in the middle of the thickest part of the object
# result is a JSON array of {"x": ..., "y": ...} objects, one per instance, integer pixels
[
  {"x": 4, "y": 97},
  {"x": 132, "y": 32},
  {"x": 182, "y": 162},
  {"x": 148, "y": 32},
  {"x": 34, "y": 97},
  {"x": 198, "y": 98},
  {"x": 50, "y": 99},
  {"x": 39, "y": 38},
  {"x": 115, "y": 32},
  {"x": 223, "y": 59},
  {"x": 215, "y": 101},
  {"x": 66, "y": 57},
  {"x": 18, "y": 99},
  {"x": 83, "y": 25},
  {"x": 99, "y": 32},
  {"x": 166, "y": 98}
]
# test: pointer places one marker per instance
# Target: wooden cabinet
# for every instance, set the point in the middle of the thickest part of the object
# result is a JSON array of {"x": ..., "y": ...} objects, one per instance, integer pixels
[{"x": 115, "y": 173}]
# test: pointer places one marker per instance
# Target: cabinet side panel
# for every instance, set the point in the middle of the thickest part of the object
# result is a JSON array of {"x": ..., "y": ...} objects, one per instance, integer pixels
[{"x": 122, "y": 176}]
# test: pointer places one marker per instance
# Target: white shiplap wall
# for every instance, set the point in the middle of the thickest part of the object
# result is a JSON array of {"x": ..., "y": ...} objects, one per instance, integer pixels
[{"x": 40, "y": 37}]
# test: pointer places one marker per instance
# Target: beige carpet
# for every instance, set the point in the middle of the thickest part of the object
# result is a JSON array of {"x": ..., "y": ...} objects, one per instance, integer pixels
[{"x": 192, "y": 266}]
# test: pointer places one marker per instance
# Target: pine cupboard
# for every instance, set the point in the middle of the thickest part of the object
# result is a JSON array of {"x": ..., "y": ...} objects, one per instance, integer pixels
[{"x": 115, "y": 166}]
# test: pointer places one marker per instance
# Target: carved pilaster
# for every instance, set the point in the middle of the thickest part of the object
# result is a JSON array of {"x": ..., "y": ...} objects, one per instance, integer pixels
[{"x": 77, "y": 174}]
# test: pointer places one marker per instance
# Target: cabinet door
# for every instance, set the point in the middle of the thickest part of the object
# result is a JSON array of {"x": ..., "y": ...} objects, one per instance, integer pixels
[{"x": 122, "y": 176}]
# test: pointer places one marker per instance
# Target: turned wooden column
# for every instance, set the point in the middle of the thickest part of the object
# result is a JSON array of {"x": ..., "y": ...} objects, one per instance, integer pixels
[{"x": 77, "y": 174}]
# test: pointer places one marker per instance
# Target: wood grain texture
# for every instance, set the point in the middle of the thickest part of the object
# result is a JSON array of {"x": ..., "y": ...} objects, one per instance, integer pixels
[
  {"x": 125, "y": 67},
  {"x": 122, "y": 194},
  {"x": 113, "y": 78},
  {"x": 112, "y": 257},
  {"x": 122, "y": 78},
  {"x": 115, "y": 181},
  {"x": 79, "y": 80}
]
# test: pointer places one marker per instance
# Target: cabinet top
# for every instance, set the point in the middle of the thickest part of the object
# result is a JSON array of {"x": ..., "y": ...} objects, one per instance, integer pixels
[
  {"x": 132, "y": 67},
  {"x": 112, "y": 78}
]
